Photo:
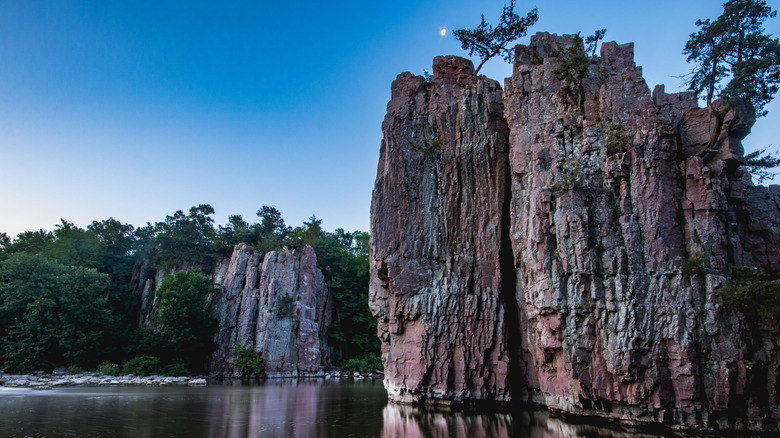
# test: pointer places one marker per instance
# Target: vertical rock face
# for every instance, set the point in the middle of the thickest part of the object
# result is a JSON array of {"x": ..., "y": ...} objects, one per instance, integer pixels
[
  {"x": 276, "y": 303},
  {"x": 279, "y": 306},
  {"x": 436, "y": 230},
  {"x": 619, "y": 227}
]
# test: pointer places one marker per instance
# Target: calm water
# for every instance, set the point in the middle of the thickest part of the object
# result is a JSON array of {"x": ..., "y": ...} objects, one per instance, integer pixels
[{"x": 278, "y": 408}]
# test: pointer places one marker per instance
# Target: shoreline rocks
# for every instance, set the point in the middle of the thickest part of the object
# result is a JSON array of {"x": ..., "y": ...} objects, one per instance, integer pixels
[{"x": 94, "y": 379}]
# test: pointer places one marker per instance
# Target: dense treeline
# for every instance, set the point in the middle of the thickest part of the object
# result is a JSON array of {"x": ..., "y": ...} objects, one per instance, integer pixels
[{"x": 65, "y": 298}]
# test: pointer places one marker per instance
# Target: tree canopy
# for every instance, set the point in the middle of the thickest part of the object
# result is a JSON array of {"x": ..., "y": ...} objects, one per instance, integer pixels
[
  {"x": 486, "y": 41},
  {"x": 735, "y": 61}
]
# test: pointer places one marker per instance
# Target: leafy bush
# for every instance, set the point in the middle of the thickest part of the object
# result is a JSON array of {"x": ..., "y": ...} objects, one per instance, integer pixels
[
  {"x": 694, "y": 265},
  {"x": 142, "y": 366},
  {"x": 284, "y": 306},
  {"x": 250, "y": 362},
  {"x": 751, "y": 290},
  {"x": 108, "y": 369},
  {"x": 74, "y": 369},
  {"x": 177, "y": 369},
  {"x": 617, "y": 139},
  {"x": 363, "y": 364},
  {"x": 184, "y": 322}
]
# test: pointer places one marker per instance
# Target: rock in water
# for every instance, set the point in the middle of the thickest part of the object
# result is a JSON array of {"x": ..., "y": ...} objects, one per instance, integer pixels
[
  {"x": 573, "y": 239},
  {"x": 436, "y": 232}
]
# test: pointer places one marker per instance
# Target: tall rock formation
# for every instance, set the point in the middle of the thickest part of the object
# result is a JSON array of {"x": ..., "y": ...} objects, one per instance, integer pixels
[
  {"x": 276, "y": 303},
  {"x": 436, "y": 233},
  {"x": 618, "y": 229}
]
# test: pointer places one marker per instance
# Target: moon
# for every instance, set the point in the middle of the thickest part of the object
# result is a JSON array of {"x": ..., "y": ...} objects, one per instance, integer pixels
[{"x": 443, "y": 31}]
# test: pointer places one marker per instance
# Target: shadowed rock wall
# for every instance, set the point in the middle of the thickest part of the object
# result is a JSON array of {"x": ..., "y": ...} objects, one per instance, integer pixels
[
  {"x": 618, "y": 230},
  {"x": 276, "y": 303}
]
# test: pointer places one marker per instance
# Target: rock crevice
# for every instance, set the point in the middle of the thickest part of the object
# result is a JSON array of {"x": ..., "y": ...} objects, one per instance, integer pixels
[{"x": 566, "y": 249}]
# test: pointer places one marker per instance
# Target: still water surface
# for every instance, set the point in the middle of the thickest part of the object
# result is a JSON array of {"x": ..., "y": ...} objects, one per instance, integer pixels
[{"x": 277, "y": 408}]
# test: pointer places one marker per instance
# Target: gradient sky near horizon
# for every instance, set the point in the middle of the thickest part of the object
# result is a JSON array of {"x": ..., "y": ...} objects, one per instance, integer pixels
[{"x": 136, "y": 109}]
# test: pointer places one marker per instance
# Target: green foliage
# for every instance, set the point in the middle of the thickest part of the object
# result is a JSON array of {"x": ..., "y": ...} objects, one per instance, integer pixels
[
  {"x": 759, "y": 163},
  {"x": 142, "y": 366},
  {"x": 486, "y": 41},
  {"x": 108, "y": 369},
  {"x": 576, "y": 63},
  {"x": 177, "y": 368},
  {"x": 284, "y": 306},
  {"x": 734, "y": 49},
  {"x": 74, "y": 369},
  {"x": 52, "y": 314},
  {"x": 184, "y": 323},
  {"x": 343, "y": 258},
  {"x": 694, "y": 265},
  {"x": 751, "y": 291},
  {"x": 185, "y": 239},
  {"x": 251, "y": 363},
  {"x": 364, "y": 364},
  {"x": 617, "y": 139}
]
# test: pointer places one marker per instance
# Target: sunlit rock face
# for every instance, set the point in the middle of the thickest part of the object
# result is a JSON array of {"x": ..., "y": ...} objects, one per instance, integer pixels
[{"x": 615, "y": 232}]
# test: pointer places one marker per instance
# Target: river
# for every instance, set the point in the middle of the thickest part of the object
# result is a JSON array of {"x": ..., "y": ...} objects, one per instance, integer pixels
[{"x": 276, "y": 408}]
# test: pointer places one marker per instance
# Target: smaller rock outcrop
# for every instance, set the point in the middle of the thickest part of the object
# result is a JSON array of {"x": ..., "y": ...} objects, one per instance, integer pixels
[{"x": 276, "y": 303}]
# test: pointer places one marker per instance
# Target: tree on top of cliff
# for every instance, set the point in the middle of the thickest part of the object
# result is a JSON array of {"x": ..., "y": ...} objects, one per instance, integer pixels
[
  {"x": 576, "y": 60},
  {"x": 735, "y": 61},
  {"x": 487, "y": 41}
]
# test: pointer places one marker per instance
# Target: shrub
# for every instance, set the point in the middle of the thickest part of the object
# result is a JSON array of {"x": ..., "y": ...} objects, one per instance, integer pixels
[
  {"x": 142, "y": 366},
  {"x": 284, "y": 306},
  {"x": 694, "y": 265},
  {"x": 363, "y": 364},
  {"x": 617, "y": 139},
  {"x": 751, "y": 290},
  {"x": 108, "y": 369},
  {"x": 74, "y": 369},
  {"x": 250, "y": 362},
  {"x": 177, "y": 369}
]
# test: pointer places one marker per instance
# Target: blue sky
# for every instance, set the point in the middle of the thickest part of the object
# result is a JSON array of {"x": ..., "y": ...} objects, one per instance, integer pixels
[{"x": 134, "y": 110}]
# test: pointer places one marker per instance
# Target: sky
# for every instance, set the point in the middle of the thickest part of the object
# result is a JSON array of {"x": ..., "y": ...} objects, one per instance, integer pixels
[{"x": 134, "y": 110}]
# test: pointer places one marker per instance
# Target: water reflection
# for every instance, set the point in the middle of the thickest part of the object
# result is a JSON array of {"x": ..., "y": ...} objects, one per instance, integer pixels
[
  {"x": 277, "y": 408},
  {"x": 406, "y": 421}
]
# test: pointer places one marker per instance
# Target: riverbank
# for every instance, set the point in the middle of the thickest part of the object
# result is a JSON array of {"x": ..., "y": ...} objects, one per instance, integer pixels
[{"x": 49, "y": 381}]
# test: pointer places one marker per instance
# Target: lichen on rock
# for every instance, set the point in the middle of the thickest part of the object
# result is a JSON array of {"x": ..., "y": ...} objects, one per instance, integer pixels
[{"x": 568, "y": 252}]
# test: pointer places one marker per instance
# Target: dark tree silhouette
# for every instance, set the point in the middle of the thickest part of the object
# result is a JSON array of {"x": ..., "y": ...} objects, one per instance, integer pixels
[{"x": 486, "y": 41}]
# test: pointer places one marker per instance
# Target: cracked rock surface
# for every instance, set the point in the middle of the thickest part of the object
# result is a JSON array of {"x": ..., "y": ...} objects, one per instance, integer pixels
[{"x": 563, "y": 243}]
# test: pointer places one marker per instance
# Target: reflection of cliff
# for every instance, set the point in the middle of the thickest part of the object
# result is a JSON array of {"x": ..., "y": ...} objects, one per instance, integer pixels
[
  {"x": 407, "y": 421},
  {"x": 563, "y": 245},
  {"x": 285, "y": 408},
  {"x": 277, "y": 303}
]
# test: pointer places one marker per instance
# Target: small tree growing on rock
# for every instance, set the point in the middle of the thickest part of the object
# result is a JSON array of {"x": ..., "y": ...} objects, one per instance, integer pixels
[
  {"x": 487, "y": 41},
  {"x": 735, "y": 61}
]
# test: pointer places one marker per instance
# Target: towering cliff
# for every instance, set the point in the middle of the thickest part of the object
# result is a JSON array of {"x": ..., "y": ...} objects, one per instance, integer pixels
[
  {"x": 436, "y": 233},
  {"x": 276, "y": 303},
  {"x": 604, "y": 242}
]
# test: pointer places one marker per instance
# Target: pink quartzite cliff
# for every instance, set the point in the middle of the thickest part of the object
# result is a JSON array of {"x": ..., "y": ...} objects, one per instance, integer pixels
[{"x": 563, "y": 244}]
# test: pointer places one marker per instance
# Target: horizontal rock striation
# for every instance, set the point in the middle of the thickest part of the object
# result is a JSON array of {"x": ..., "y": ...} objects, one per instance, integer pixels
[{"x": 616, "y": 231}]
